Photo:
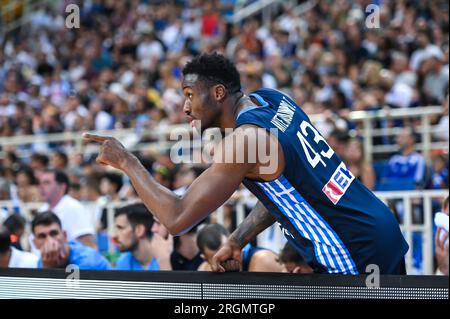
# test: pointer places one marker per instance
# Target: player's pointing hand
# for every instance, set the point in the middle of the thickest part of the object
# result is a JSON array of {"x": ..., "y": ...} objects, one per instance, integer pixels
[{"x": 112, "y": 152}]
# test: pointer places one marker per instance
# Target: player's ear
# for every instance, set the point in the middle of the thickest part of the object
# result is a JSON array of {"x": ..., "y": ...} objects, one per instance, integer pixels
[{"x": 219, "y": 92}]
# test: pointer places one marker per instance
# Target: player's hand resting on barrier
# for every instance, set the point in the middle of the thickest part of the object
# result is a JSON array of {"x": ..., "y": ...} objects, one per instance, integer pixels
[
  {"x": 228, "y": 258},
  {"x": 112, "y": 152}
]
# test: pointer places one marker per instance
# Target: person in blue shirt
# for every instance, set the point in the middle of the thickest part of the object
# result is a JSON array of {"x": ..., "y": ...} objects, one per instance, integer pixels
[
  {"x": 56, "y": 252},
  {"x": 271, "y": 146},
  {"x": 407, "y": 169},
  {"x": 256, "y": 259},
  {"x": 141, "y": 248}
]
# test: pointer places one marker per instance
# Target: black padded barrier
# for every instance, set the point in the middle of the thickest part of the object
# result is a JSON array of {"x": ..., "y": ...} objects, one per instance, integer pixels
[{"x": 57, "y": 283}]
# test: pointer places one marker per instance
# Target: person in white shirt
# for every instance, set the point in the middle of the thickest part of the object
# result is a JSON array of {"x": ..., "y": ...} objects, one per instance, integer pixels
[
  {"x": 54, "y": 187},
  {"x": 11, "y": 257}
]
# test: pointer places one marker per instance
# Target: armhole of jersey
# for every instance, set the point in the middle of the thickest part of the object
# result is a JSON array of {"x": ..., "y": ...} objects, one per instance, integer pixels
[{"x": 260, "y": 99}]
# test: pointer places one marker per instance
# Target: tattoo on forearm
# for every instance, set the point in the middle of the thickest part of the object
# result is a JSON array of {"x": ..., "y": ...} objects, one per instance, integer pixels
[{"x": 257, "y": 221}]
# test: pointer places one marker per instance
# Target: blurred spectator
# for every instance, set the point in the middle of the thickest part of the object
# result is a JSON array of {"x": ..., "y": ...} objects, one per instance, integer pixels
[
  {"x": 441, "y": 241},
  {"x": 408, "y": 168},
  {"x": 256, "y": 259},
  {"x": 425, "y": 50},
  {"x": 15, "y": 224},
  {"x": 184, "y": 177},
  {"x": 338, "y": 141},
  {"x": 57, "y": 252},
  {"x": 439, "y": 177},
  {"x": 4, "y": 196},
  {"x": 11, "y": 257},
  {"x": 398, "y": 94},
  {"x": 27, "y": 186},
  {"x": 442, "y": 131},
  {"x": 90, "y": 193},
  {"x": 292, "y": 261},
  {"x": 354, "y": 159},
  {"x": 400, "y": 68},
  {"x": 75, "y": 220},
  {"x": 141, "y": 248},
  {"x": 162, "y": 175},
  {"x": 186, "y": 255},
  {"x": 435, "y": 83},
  {"x": 110, "y": 185},
  {"x": 39, "y": 162},
  {"x": 60, "y": 161}
]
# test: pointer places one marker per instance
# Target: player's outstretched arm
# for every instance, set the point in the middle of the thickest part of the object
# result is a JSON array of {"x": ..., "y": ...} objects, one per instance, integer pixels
[
  {"x": 178, "y": 214},
  {"x": 228, "y": 258}
]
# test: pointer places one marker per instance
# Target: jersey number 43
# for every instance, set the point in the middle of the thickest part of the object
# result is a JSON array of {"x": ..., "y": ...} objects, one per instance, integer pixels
[{"x": 314, "y": 156}]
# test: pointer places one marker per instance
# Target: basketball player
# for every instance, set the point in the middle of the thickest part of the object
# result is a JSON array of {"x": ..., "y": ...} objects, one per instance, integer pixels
[{"x": 335, "y": 223}]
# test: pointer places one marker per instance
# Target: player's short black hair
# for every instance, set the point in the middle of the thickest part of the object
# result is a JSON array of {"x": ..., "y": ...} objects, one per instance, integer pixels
[
  {"x": 46, "y": 219},
  {"x": 210, "y": 237},
  {"x": 215, "y": 69},
  {"x": 137, "y": 214}
]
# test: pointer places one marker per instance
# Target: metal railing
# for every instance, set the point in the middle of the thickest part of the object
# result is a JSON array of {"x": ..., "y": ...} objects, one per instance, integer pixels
[
  {"x": 368, "y": 129},
  {"x": 162, "y": 142},
  {"x": 243, "y": 12},
  {"x": 368, "y": 118},
  {"x": 407, "y": 226}
]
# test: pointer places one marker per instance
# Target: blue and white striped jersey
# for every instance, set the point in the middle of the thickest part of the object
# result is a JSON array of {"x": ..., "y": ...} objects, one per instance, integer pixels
[{"x": 336, "y": 223}]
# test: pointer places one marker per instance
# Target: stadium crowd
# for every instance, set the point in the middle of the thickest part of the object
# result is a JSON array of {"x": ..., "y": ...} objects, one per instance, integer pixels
[{"x": 122, "y": 69}]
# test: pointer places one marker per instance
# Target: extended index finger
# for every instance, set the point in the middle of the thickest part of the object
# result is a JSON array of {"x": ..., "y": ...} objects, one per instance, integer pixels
[{"x": 95, "y": 138}]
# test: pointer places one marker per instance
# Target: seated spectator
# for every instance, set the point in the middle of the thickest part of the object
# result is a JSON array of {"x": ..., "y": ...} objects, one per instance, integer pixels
[
  {"x": 57, "y": 252},
  {"x": 354, "y": 159},
  {"x": 211, "y": 237},
  {"x": 5, "y": 195},
  {"x": 186, "y": 255},
  {"x": 110, "y": 185},
  {"x": 292, "y": 261},
  {"x": 27, "y": 188},
  {"x": 39, "y": 162},
  {"x": 442, "y": 249},
  {"x": 76, "y": 221},
  {"x": 406, "y": 170},
  {"x": 338, "y": 141},
  {"x": 141, "y": 248},
  {"x": 439, "y": 172},
  {"x": 15, "y": 224},
  {"x": 60, "y": 161},
  {"x": 10, "y": 257}
]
